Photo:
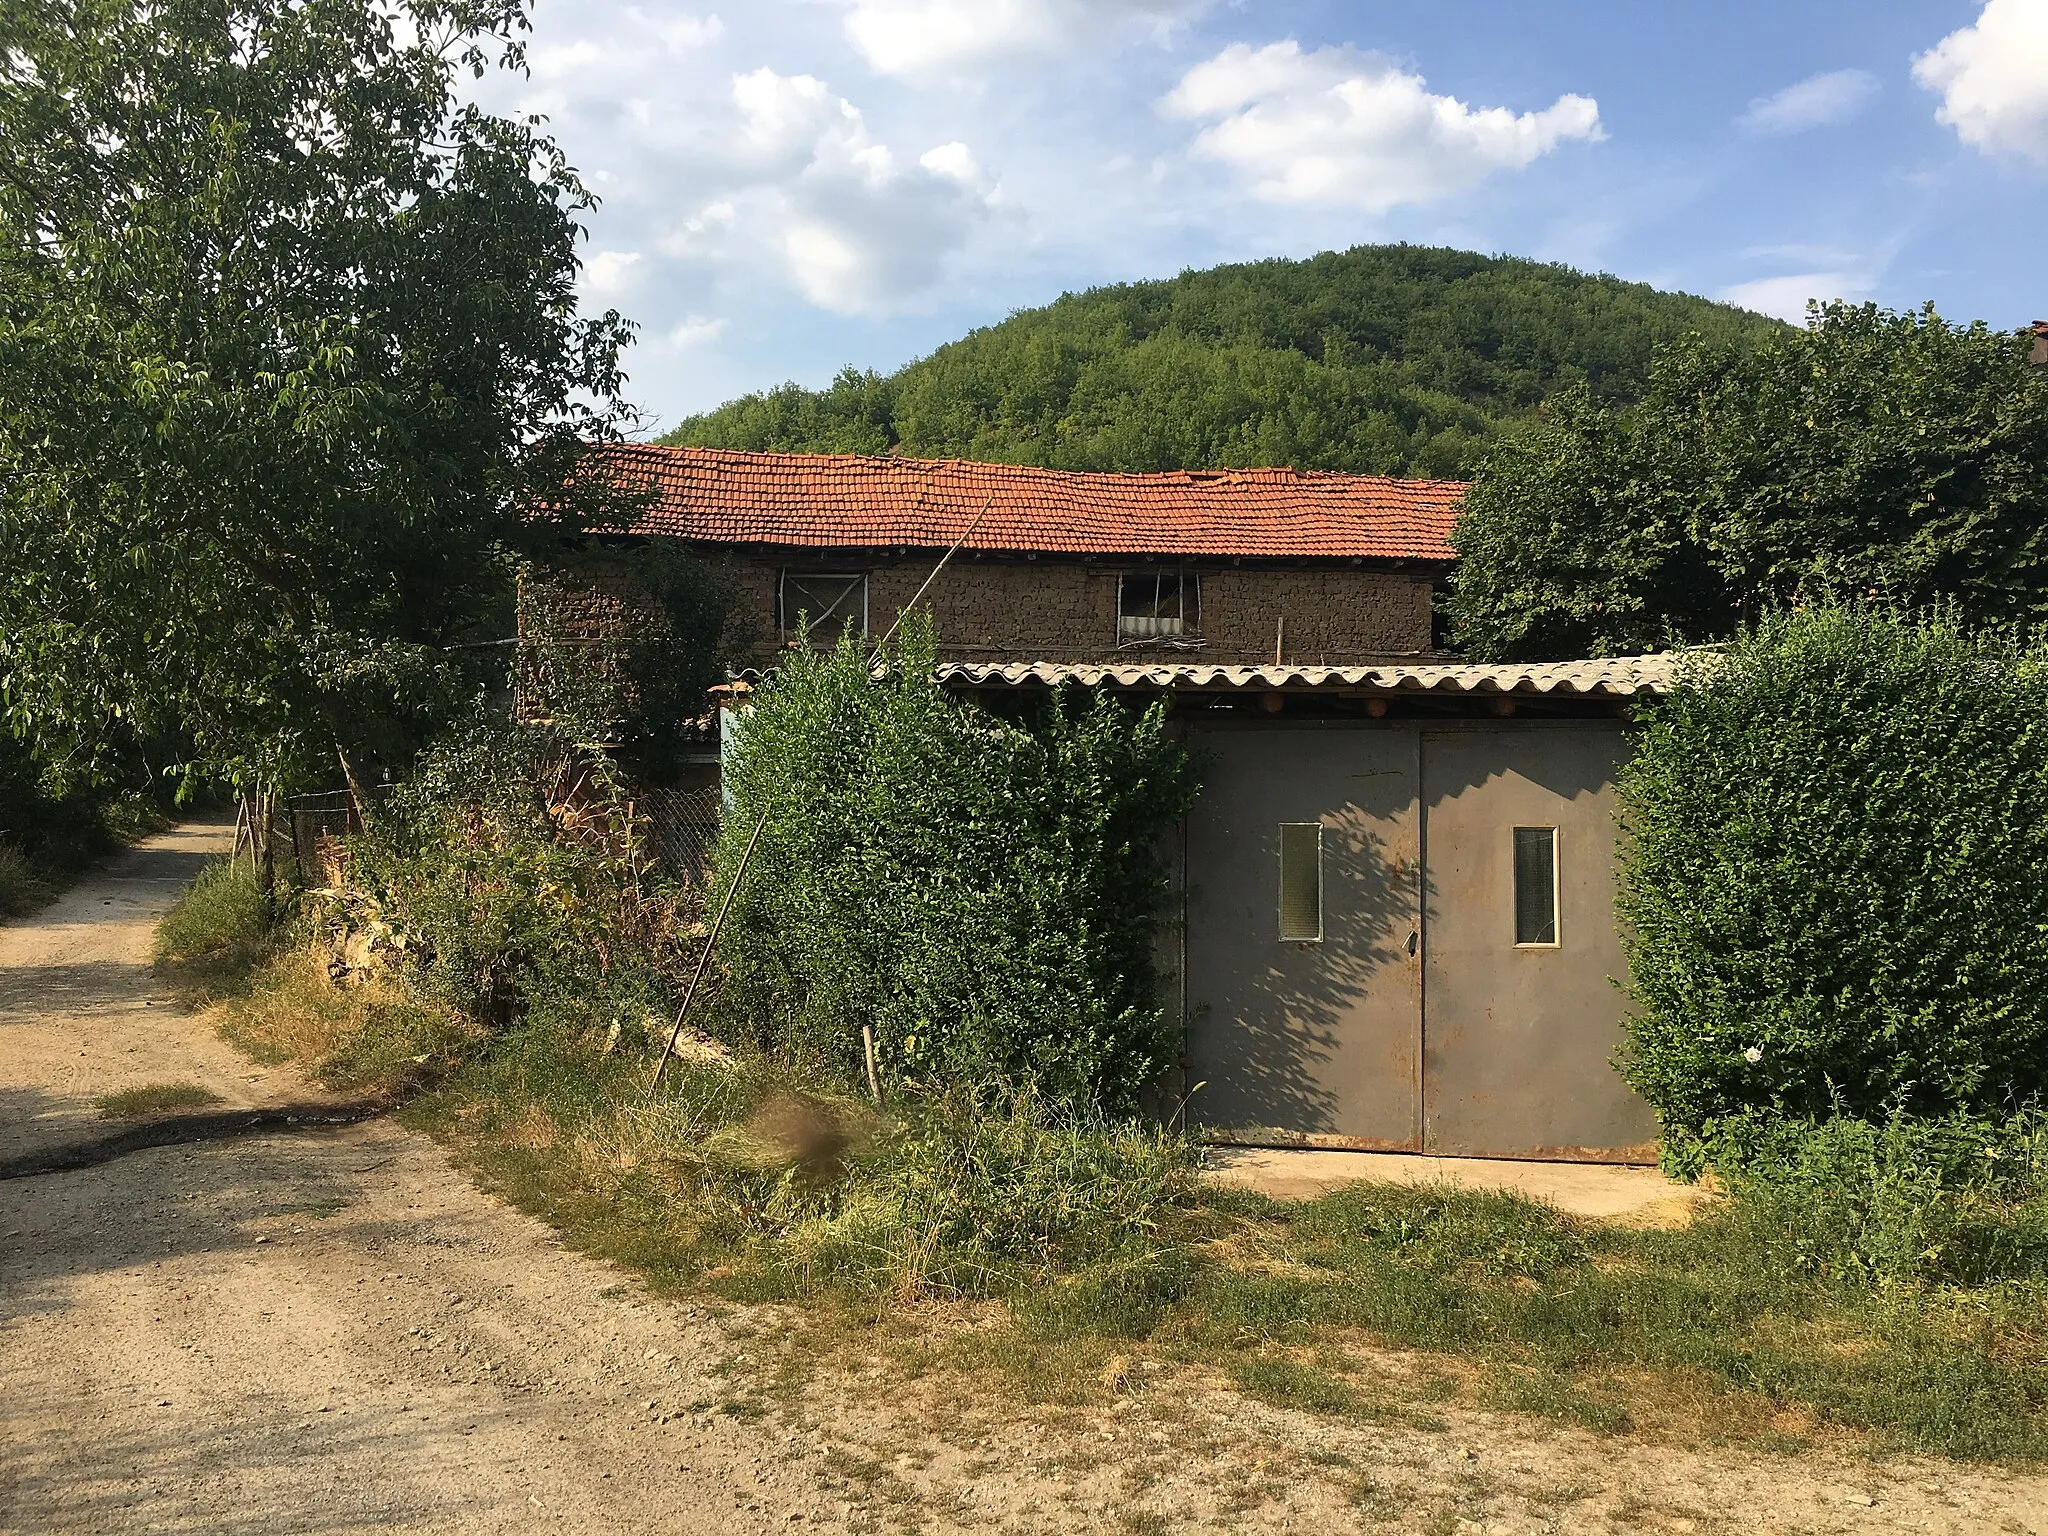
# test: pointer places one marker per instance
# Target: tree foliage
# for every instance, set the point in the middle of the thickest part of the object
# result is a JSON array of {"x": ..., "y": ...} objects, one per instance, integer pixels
[
  {"x": 1872, "y": 452},
  {"x": 982, "y": 896},
  {"x": 1832, "y": 883},
  {"x": 1386, "y": 359},
  {"x": 288, "y": 340}
]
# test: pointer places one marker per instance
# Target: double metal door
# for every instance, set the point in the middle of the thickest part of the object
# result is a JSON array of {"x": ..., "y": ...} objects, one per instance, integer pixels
[{"x": 1413, "y": 1018}]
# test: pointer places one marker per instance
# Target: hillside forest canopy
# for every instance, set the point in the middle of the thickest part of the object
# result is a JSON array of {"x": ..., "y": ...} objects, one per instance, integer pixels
[{"x": 1390, "y": 359}]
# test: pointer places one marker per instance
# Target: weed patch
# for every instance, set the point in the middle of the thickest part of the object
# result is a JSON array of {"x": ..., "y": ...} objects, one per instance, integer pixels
[
  {"x": 154, "y": 1099},
  {"x": 23, "y": 885}
]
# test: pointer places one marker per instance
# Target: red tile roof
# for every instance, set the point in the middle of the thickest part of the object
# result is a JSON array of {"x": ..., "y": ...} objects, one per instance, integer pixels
[{"x": 840, "y": 501}]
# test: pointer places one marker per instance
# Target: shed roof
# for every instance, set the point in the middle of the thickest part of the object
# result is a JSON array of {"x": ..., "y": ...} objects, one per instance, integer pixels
[
  {"x": 1610, "y": 677},
  {"x": 841, "y": 501}
]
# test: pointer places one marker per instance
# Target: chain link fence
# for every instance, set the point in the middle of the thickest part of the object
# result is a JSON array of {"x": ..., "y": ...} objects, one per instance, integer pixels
[{"x": 683, "y": 827}]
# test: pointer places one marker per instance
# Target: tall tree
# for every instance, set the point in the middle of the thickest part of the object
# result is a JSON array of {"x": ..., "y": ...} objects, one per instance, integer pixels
[
  {"x": 289, "y": 353},
  {"x": 1871, "y": 454}
]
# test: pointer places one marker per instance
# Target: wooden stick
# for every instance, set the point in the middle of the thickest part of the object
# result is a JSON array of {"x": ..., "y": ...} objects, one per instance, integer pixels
[
  {"x": 867, "y": 1040},
  {"x": 889, "y": 633},
  {"x": 704, "y": 960}
]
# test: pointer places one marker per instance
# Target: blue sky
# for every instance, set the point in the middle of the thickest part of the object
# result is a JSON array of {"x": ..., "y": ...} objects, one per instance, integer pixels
[{"x": 791, "y": 186}]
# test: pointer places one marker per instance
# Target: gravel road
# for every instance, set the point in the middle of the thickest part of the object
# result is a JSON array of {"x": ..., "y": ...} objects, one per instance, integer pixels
[{"x": 318, "y": 1329}]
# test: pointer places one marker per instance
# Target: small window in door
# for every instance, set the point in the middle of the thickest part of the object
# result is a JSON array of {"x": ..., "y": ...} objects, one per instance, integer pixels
[
  {"x": 1536, "y": 887},
  {"x": 823, "y": 603},
  {"x": 1301, "y": 882}
]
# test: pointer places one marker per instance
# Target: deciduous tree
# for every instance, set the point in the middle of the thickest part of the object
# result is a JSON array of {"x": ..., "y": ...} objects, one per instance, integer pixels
[
  {"x": 289, "y": 353},
  {"x": 1871, "y": 453}
]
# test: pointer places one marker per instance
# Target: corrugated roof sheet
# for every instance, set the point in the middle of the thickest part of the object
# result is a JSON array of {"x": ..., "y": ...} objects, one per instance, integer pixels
[
  {"x": 827, "y": 501},
  {"x": 1616, "y": 676}
]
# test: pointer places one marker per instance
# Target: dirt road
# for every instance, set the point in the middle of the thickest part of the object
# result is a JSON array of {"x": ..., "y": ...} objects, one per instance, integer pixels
[{"x": 329, "y": 1329}]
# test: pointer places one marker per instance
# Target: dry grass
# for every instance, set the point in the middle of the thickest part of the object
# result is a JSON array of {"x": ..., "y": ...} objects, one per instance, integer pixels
[{"x": 376, "y": 1039}]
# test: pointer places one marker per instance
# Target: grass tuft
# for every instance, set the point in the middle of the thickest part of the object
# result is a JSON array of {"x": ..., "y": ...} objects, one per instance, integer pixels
[{"x": 151, "y": 1100}]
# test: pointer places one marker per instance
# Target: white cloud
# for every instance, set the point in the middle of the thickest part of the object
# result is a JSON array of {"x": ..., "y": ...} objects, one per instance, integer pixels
[
  {"x": 954, "y": 160},
  {"x": 1814, "y": 102},
  {"x": 1786, "y": 297},
  {"x": 1993, "y": 79},
  {"x": 856, "y": 232},
  {"x": 938, "y": 37},
  {"x": 695, "y": 331},
  {"x": 1341, "y": 127},
  {"x": 609, "y": 272}
]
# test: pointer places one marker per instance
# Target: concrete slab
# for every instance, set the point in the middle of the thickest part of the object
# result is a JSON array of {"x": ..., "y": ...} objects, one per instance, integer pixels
[{"x": 1631, "y": 1196}]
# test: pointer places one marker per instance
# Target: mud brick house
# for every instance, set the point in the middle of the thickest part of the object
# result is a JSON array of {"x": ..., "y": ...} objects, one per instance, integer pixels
[
  {"x": 1395, "y": 916},
  {"x": 1235, "y": 566}
]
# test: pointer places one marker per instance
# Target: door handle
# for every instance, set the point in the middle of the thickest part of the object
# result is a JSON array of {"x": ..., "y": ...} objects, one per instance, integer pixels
[{"x": 1414, "y": 941}]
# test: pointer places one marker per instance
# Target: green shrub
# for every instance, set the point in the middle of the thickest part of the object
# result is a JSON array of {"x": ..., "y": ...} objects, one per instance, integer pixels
[
  {"x": 507, "y": 912},
  {"x": 1951, "y": 1200},
  {"x": 1833, "y": 883},
  {"x": 984, "y": 896}
]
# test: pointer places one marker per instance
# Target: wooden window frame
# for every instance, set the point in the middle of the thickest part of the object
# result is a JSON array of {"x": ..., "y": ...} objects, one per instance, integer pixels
[
  {"x": 786, "y": 618},
  {"x": 1189, "y": 625},
  {"x": 1556, "y": 940}
]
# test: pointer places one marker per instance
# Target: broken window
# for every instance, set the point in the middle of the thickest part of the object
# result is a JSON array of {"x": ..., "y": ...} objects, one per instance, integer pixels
[
  {"x": 1301, "y": 882},
  {"x": 824, "y": 603},
  {"x": 1158, "y": 605},
  {"x": 1536, "y": 886}
]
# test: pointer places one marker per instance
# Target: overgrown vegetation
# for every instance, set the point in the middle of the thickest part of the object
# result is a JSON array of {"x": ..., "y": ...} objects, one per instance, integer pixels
[
  {"x": 976, "y": 899},
  {"x": 1832, "y": 880},
  {"x": 1384, "y": 359},
  {"x": 1887, "y": 1283},
  {"x": 1872, "y": 452}
]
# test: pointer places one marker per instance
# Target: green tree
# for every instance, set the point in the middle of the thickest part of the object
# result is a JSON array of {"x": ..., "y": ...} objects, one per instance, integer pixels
[
  {"x": 289, "y": 351},
  {"x": 1872, "y": 453}
]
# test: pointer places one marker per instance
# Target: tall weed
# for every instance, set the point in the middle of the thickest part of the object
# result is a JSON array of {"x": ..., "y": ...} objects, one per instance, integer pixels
[{"x": 23, "y": 886}]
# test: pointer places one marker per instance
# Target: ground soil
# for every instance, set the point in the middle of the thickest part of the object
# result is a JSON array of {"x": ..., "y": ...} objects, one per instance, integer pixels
[{"x": 324, "y": 1327}]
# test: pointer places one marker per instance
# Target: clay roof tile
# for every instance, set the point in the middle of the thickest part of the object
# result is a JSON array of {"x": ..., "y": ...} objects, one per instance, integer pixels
[{"x": 840, "y": 501}]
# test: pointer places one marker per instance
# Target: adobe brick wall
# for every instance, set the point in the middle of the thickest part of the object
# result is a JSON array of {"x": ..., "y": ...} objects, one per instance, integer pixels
[{"x": 1055, "y": 610}]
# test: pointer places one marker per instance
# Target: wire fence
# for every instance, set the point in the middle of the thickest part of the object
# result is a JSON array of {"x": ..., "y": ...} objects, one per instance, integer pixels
[
  {"x": 683, "y": 828},
  {"x": 303, "y": 839}
]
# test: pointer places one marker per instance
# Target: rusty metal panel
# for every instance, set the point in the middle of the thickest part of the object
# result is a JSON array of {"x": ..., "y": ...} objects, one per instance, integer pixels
[
  {"x": 1518, "y": 1040},
  {"x": 1295, "y": 1040}
]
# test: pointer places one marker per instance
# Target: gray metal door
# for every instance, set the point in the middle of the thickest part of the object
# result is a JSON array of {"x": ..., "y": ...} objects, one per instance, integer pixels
[
  {"x": 1519, "y": 1036},
  {"x": 1316, "y": 1041}
]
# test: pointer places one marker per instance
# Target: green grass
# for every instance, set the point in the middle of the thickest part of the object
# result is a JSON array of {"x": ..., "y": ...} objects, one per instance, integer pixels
[
  {"x": 151, "y": 1100},
  {"x": 1858, "y": 1292},
  {"x": 216, "y": 933}
]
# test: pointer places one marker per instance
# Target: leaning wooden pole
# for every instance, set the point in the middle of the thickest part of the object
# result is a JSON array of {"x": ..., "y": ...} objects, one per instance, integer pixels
[
  {"x": 890, "y": 633},
  {"x": 704, "y": 960}
]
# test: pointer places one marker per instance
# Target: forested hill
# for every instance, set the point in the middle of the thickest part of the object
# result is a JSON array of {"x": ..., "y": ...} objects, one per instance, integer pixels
[{"x": 1390, "y": 359}]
